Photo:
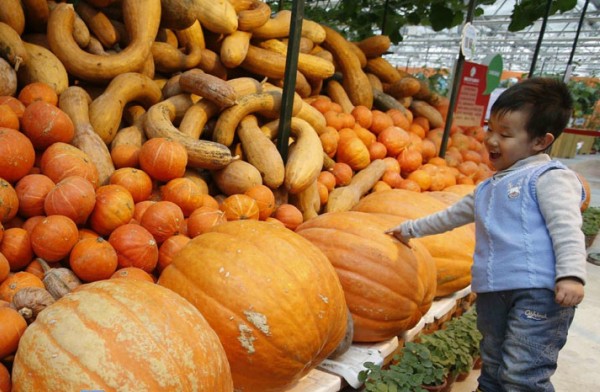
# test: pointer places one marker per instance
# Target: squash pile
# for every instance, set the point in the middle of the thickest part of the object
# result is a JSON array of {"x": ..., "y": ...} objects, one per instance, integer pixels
[{"x": 138, "y": 142}]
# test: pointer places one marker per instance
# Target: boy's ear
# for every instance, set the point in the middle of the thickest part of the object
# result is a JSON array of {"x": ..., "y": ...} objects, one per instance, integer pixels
[{"x": 544, "y": 141}]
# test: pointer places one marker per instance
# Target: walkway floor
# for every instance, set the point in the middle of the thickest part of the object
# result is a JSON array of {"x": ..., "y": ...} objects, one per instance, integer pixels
[{"x": 579, "y": 361}]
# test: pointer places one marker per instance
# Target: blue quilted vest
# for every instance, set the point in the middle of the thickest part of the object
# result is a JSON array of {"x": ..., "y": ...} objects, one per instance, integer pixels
[{"x": 514, "y": 249}]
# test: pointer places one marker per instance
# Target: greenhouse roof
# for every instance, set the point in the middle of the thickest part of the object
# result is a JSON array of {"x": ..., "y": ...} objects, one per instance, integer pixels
[{"x": 423, "y": 47}]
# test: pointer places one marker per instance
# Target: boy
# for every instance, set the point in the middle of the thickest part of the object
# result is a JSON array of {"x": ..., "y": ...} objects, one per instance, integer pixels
[{"x": 529, "y": 262}]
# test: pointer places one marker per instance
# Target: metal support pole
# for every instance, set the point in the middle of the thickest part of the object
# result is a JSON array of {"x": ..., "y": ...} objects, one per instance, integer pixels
[
  {"x": 455, "y": 87},
  {"x": 383, "y": 22},
  {"x": 570, "y": 62},
  {"x": 289, "y": 78},
  {"x": 540, "y": 38}
]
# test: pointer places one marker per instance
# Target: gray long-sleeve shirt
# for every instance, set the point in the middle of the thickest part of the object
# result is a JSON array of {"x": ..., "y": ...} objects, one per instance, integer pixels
[{"x": 559, "y": 197}]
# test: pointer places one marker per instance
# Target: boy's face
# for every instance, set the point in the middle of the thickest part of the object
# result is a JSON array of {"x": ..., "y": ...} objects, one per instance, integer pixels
[{"x": 507, "y": 139}]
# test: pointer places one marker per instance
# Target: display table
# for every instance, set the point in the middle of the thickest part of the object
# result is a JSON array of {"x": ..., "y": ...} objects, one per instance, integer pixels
[
  {"x": 566, "y": 144},
  {"x": 334, "y": 374}
]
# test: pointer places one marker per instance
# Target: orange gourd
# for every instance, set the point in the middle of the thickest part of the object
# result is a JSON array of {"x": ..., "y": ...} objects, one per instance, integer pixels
[
  {"x": 169, "y": 248},
  {"x": 352, "y": 151},
  {"x": 184, "y": 192},
  {"x": 136, "y": 181},
  {"x": 12, "y": 327},
  {"x": 135, "y": 247},
  {"x": 240, "y": 207},
  {"x": 163, "y": 219},
  {"x": 46, "y": 124},
  {"x": 10, "y": 201},
  {"x": 452, "y": 251},
  {"x": 283, "y": 324},
  {"x": 54, "y": 237},
  {"x": 16, "y": 155},
  {"x": 264, "y": 197},
  {"x": 93, "y": 259},
  {"x": 114, "y": 207},
  {"x": 16, "y": 282},
  {"x": 74, "y": 197},
  {"x": 62, "y": 160},
  {"x": 163, "y": 159},
  {"x": 203, "y": 219},
  {"x": 289, "y": 215},
  {"x": 31, "y": 191},
  {"x": 380, "y": 276},
  {"x": 5, "y": 382},
  {"x": 154, "y": 338},
  {"x": 16, "y": 247},
  {"x": 4, "y": 267},
  {"x": 132, "y": 273}
]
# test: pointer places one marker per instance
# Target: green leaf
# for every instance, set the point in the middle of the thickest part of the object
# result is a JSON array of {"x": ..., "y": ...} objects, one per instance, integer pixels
[{"x": 440, "y": 16}]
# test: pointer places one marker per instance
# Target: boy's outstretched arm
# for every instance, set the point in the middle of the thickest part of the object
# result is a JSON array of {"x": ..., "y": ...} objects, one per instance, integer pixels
[{"x": 458, "y": 214}]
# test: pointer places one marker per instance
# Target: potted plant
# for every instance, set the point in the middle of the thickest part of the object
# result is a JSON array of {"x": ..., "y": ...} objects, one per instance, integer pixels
[
  {"x": 449, "y": 349},
  {"x": 413, "y": 370},
  {"x": 591, "y": 224}
]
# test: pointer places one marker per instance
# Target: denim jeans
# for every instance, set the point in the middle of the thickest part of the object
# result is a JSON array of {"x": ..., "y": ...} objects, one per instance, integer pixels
[{"x": 523, "y": 331}]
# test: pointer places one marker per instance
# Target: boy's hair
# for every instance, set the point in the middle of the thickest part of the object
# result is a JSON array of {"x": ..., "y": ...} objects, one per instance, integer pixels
[{"x": 546, "y": 101}]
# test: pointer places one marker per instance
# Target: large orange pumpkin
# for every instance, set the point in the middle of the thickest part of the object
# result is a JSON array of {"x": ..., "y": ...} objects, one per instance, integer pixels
[
  {"x": 272, "y": 297},
  {"x": 452, "y": 251},
  {"x": 144, "y": 338},
  {"x": 381, "y": 277}
]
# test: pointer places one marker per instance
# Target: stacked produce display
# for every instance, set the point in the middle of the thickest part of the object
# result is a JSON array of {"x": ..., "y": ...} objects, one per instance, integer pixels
[{"x": 138, "y": 159}]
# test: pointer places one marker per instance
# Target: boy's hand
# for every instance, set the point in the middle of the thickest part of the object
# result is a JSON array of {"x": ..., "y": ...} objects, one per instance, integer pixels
[
  {"x": 569, "y": 292},
  {"x": 397, "y": 233}
]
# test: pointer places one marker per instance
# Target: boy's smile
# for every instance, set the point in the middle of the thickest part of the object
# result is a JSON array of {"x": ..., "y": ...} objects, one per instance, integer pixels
[{"x": 508, "y": 141}]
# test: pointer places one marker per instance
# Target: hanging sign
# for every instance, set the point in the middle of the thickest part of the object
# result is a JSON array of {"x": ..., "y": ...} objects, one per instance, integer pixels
[
  {"x": 471, "y": 103},
  {"x": 468, "y": 41},
  {"x": 494, "y": 72}
]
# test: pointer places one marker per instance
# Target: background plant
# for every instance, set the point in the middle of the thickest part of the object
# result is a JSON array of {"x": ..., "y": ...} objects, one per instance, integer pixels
[
  {"x": 591, "y": 221},
  {"x": 446, "y": 351},
  {"x": 359, "y": 19}
]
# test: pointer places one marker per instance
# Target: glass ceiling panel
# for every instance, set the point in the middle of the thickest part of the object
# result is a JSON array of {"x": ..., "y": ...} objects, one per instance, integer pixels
[{"x": 424, "y": 47}]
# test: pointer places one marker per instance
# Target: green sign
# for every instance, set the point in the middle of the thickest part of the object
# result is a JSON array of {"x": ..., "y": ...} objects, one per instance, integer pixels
[{"x": 494, "y": 72}]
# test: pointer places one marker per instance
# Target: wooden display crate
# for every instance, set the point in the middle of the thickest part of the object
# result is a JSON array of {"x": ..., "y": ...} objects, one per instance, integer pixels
[{"x": 566, "y": 144}]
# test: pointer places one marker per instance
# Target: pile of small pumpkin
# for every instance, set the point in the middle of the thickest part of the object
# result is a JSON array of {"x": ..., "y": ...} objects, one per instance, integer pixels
[
  {"x": 61, "y": 227},
  {"x": 154, "y": 160}
]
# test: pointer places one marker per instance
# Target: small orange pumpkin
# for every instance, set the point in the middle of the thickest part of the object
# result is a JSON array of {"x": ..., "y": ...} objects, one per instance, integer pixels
[
  {"x": 132, "y": 273},
  {"x": 265, "y": 198},
  {"x": 46, "y": 124},
  {"x": 114, "y": 207},
  {"x": 16, "y": 282},
  {"x": 16, "y": 247},
  {"x": 12, "y": 327},
  {"x": 5, "y": 382},
  {"x": 352, "y": 151},
  {"x": 240, "y": 207},
  {"x": 135, "y": 247},
  {"x": 10, "y": 201},
  {"x": 53, "y": 238},
  {"x": 184, "y": 192},
  {"x": 163, "y": 219},
  {"x": 290, "y": 215},
  {"x": 169, "y": 248},
  {"x": 93, "y": 259},
  {"x": 203, "y": 219},
  {"x": 163, "y": 159},
  {"x": 136, "y": 181},
  {"x": 32, "y": 190},
  {"x": 74, "y": 197},
  {"x": 17, "y": 155},
  {"x": 62, "y": 160}
]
